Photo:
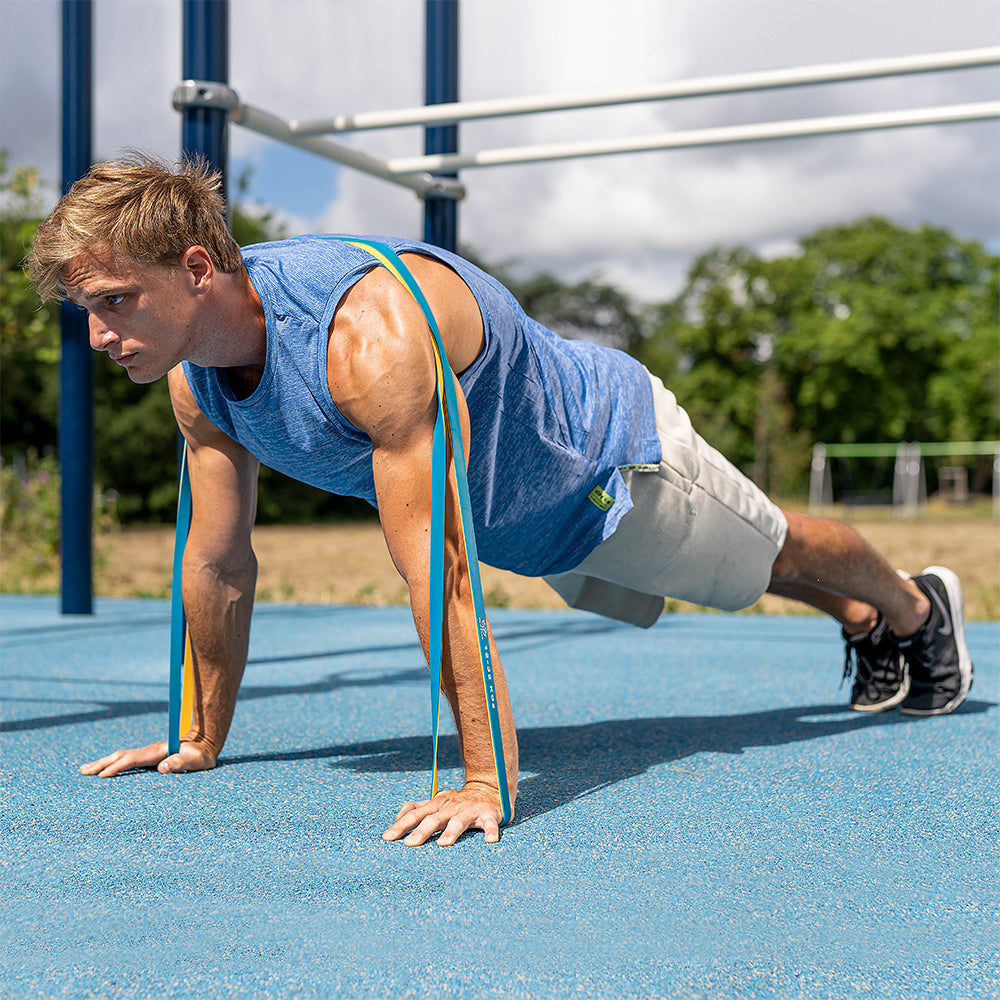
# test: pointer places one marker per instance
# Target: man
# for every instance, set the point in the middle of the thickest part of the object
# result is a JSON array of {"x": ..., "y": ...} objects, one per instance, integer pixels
[{"x": 308, "y": 356}]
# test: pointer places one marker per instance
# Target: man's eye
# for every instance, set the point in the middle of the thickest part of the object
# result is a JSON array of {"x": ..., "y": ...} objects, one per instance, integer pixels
[{"x": 114, "y": 300}]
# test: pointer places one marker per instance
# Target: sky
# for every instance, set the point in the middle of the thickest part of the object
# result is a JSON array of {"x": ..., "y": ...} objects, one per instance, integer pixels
[{"x": 635, "y": 220}]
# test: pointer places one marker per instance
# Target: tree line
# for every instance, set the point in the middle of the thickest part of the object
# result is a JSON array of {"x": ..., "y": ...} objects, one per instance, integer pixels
[{"x": 867, "y": 331}]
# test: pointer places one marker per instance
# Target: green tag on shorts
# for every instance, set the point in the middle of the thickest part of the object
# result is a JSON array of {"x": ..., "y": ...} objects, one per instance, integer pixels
[{"x": 600, "y": 498}]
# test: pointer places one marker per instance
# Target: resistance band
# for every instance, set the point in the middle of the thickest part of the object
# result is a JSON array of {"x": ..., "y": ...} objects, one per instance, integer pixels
[
  {"x": 448, "y": 434},
  {"x": 181, "y": 701}
]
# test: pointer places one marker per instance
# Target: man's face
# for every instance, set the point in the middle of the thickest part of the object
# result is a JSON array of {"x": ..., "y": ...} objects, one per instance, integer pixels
[{"x": 141, "y": 314}]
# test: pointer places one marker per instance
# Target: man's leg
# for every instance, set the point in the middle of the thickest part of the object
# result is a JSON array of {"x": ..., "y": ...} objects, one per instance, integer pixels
[
  {"x": 829, "y": 566},
  {"x": 890, "y": 622}
]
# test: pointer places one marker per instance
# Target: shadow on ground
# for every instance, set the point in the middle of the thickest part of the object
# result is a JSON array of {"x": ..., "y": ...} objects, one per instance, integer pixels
[{"x": 567, "y": 762}]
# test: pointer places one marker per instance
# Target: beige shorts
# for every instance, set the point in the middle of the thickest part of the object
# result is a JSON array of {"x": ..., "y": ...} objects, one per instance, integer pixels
[{"x": 699, "y": 531}]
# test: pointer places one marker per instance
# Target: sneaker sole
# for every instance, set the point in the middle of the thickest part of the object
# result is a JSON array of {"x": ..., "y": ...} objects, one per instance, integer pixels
[
  {"x": 965, "y": 669},
  {"x": 884, "y": 706}
]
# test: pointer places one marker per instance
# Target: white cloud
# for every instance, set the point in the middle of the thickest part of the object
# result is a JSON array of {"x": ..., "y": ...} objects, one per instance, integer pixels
[
  {"x": 369, "y": 206},
  {"x": 638, "y": 219}
]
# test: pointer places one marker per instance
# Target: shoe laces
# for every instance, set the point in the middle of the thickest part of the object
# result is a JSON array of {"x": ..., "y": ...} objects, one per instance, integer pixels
[{"x": 854, "y": 661}]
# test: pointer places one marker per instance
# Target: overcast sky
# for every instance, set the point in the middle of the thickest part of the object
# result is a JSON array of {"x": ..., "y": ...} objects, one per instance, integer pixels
[{"x": 639, "y": 219}]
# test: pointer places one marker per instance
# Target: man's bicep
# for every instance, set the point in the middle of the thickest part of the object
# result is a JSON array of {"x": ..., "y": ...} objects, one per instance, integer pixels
[
  {"x": 403, "y": 467},
  {"x": 381, "y": 375}
]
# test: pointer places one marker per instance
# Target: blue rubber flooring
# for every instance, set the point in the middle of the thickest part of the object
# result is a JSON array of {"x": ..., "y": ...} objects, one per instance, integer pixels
[{"x": 699, "y": 817}]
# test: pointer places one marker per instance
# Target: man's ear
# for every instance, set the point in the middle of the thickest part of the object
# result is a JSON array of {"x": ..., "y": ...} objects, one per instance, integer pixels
[{"x": 198, "y": 263}]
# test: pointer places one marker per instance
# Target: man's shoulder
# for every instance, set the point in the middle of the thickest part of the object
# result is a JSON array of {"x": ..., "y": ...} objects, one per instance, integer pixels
[
  {"x": 342, "y": 249},
  {"x": 308, "y": 268},
  {"x": 292, "y": 248}
]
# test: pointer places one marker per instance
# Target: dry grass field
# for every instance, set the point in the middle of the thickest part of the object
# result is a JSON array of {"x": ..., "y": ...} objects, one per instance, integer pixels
[{"x": 349, "y": 564}]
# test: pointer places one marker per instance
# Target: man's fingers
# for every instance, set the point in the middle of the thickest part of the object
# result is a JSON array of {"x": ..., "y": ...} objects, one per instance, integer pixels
[
  {"x": 173, "y": 764},
  {"x": 427, "y": 827},
  {"x": 193, "y": 756},
  {"x": 126, "y": 760},
  {"x": 457, "y": 825},
  {"x": 407, "y": 807},
  {"x": 449, "y": 814},
  {"x": 491, "y": 828},
  {"x": 121, "y": 761},
  {"x": 96, "y": 765},
  {"x": 465, "y": 821},
  {"x": 409, "y": 815}
]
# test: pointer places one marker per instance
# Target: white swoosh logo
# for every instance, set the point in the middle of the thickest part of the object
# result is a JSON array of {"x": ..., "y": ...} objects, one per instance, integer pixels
[{"x": 945, "y": 629}]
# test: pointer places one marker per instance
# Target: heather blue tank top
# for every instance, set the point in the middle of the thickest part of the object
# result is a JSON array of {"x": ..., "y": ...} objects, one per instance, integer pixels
[{"x": 552, "y": 420}]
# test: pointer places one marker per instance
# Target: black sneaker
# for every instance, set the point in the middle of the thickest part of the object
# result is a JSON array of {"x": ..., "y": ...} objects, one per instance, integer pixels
[
  {"x": 939, "y": 662},
  {"x": 881, "y": 680}
]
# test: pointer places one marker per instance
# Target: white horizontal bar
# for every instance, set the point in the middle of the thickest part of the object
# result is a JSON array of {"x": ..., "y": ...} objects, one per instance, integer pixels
[
  {"x": 441, "y": 114},
  {"x": 277, "y": 128},
  {"x": 450, "y": 162}
]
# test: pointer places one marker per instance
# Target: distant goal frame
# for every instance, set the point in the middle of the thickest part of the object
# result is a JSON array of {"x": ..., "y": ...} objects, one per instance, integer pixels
[{"x": 909, "y": 490}]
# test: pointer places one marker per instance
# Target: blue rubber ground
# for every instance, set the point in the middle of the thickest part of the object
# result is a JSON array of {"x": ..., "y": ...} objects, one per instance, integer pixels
[{"x": 698, "y": 817}]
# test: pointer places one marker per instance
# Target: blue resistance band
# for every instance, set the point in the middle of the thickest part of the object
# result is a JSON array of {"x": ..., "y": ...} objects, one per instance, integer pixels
[
  {"x": 447, "y": 430},
  {"x": 178, "y": 623}
]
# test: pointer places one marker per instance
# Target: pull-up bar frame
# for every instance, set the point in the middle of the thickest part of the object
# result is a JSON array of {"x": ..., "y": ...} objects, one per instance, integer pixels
[
  {"x": 440, "y": 114},
  {"x": 693, "y": 138},
  {"x": 205, "y": 37},
  {"x": 418, "y": 172},
  {"x": 206, "y": 94}
]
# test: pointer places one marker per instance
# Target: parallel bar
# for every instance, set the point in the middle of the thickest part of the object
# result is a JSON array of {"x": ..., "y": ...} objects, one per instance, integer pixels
[
  {"x": 698, "y": 137},
  {"x": 204, "y": 133},
  {"x": 704, "y": 87},
  {"x": 440, "y": 85},
  {"x": 277, "y": 128},
  {"x": 76, "y": 365},
  {"x": 204, "y": 130}
]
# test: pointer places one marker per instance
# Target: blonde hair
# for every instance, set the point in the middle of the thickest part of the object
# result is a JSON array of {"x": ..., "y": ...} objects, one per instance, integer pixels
[{"x": 138, "y": 208}]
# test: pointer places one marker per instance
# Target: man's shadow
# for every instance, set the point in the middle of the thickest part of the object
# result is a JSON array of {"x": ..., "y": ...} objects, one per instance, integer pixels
[
  {"x": 522, "y": 636},
  {"x": 568, "y": 762}
]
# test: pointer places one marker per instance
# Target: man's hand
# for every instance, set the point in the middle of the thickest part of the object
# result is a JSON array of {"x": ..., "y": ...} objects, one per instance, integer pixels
[
  {"x": 192, "y": 757},
  {"x": 451, "y": 814}
]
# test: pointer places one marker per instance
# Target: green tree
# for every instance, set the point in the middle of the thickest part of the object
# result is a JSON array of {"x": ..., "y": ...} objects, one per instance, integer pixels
[
  {"x": 886, "y": 333},
  {"x": 29, "y": 332},
  {"x": 583, "y": 310},
  {"x": 871, "y": 332},
  {"x": 714, "y": 345}
]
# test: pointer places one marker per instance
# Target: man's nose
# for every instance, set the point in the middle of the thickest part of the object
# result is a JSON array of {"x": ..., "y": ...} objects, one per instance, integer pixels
[{"x": 100, "y": 336}]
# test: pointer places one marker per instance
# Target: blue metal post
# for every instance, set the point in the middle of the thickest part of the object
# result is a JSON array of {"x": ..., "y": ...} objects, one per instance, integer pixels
[
  {"x": 205, "y": 131},
  {"x": 205, "y": 56},
  {"x": 441, "y": 87},
  {"x": 76, "y": 367}
]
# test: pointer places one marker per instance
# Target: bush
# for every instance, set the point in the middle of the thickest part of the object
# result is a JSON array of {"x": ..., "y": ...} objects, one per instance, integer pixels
[{"x": 29, "y": 524}]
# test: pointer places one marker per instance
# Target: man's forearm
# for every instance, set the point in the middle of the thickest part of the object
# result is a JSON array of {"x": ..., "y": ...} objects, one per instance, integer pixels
[
  {"x": 218, "y": 602},
  {"x": 462, "y": 683}
]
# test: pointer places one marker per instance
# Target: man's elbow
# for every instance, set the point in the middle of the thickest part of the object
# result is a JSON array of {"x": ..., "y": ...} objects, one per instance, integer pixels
[{"x": 234, "y": 568}]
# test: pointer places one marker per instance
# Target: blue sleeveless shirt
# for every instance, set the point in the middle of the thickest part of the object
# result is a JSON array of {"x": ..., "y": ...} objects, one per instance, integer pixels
[{"x": 552, "y": 420}]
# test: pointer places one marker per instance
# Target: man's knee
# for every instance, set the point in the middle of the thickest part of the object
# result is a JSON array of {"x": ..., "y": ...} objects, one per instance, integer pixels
[{"x": 788, "y": 563}]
